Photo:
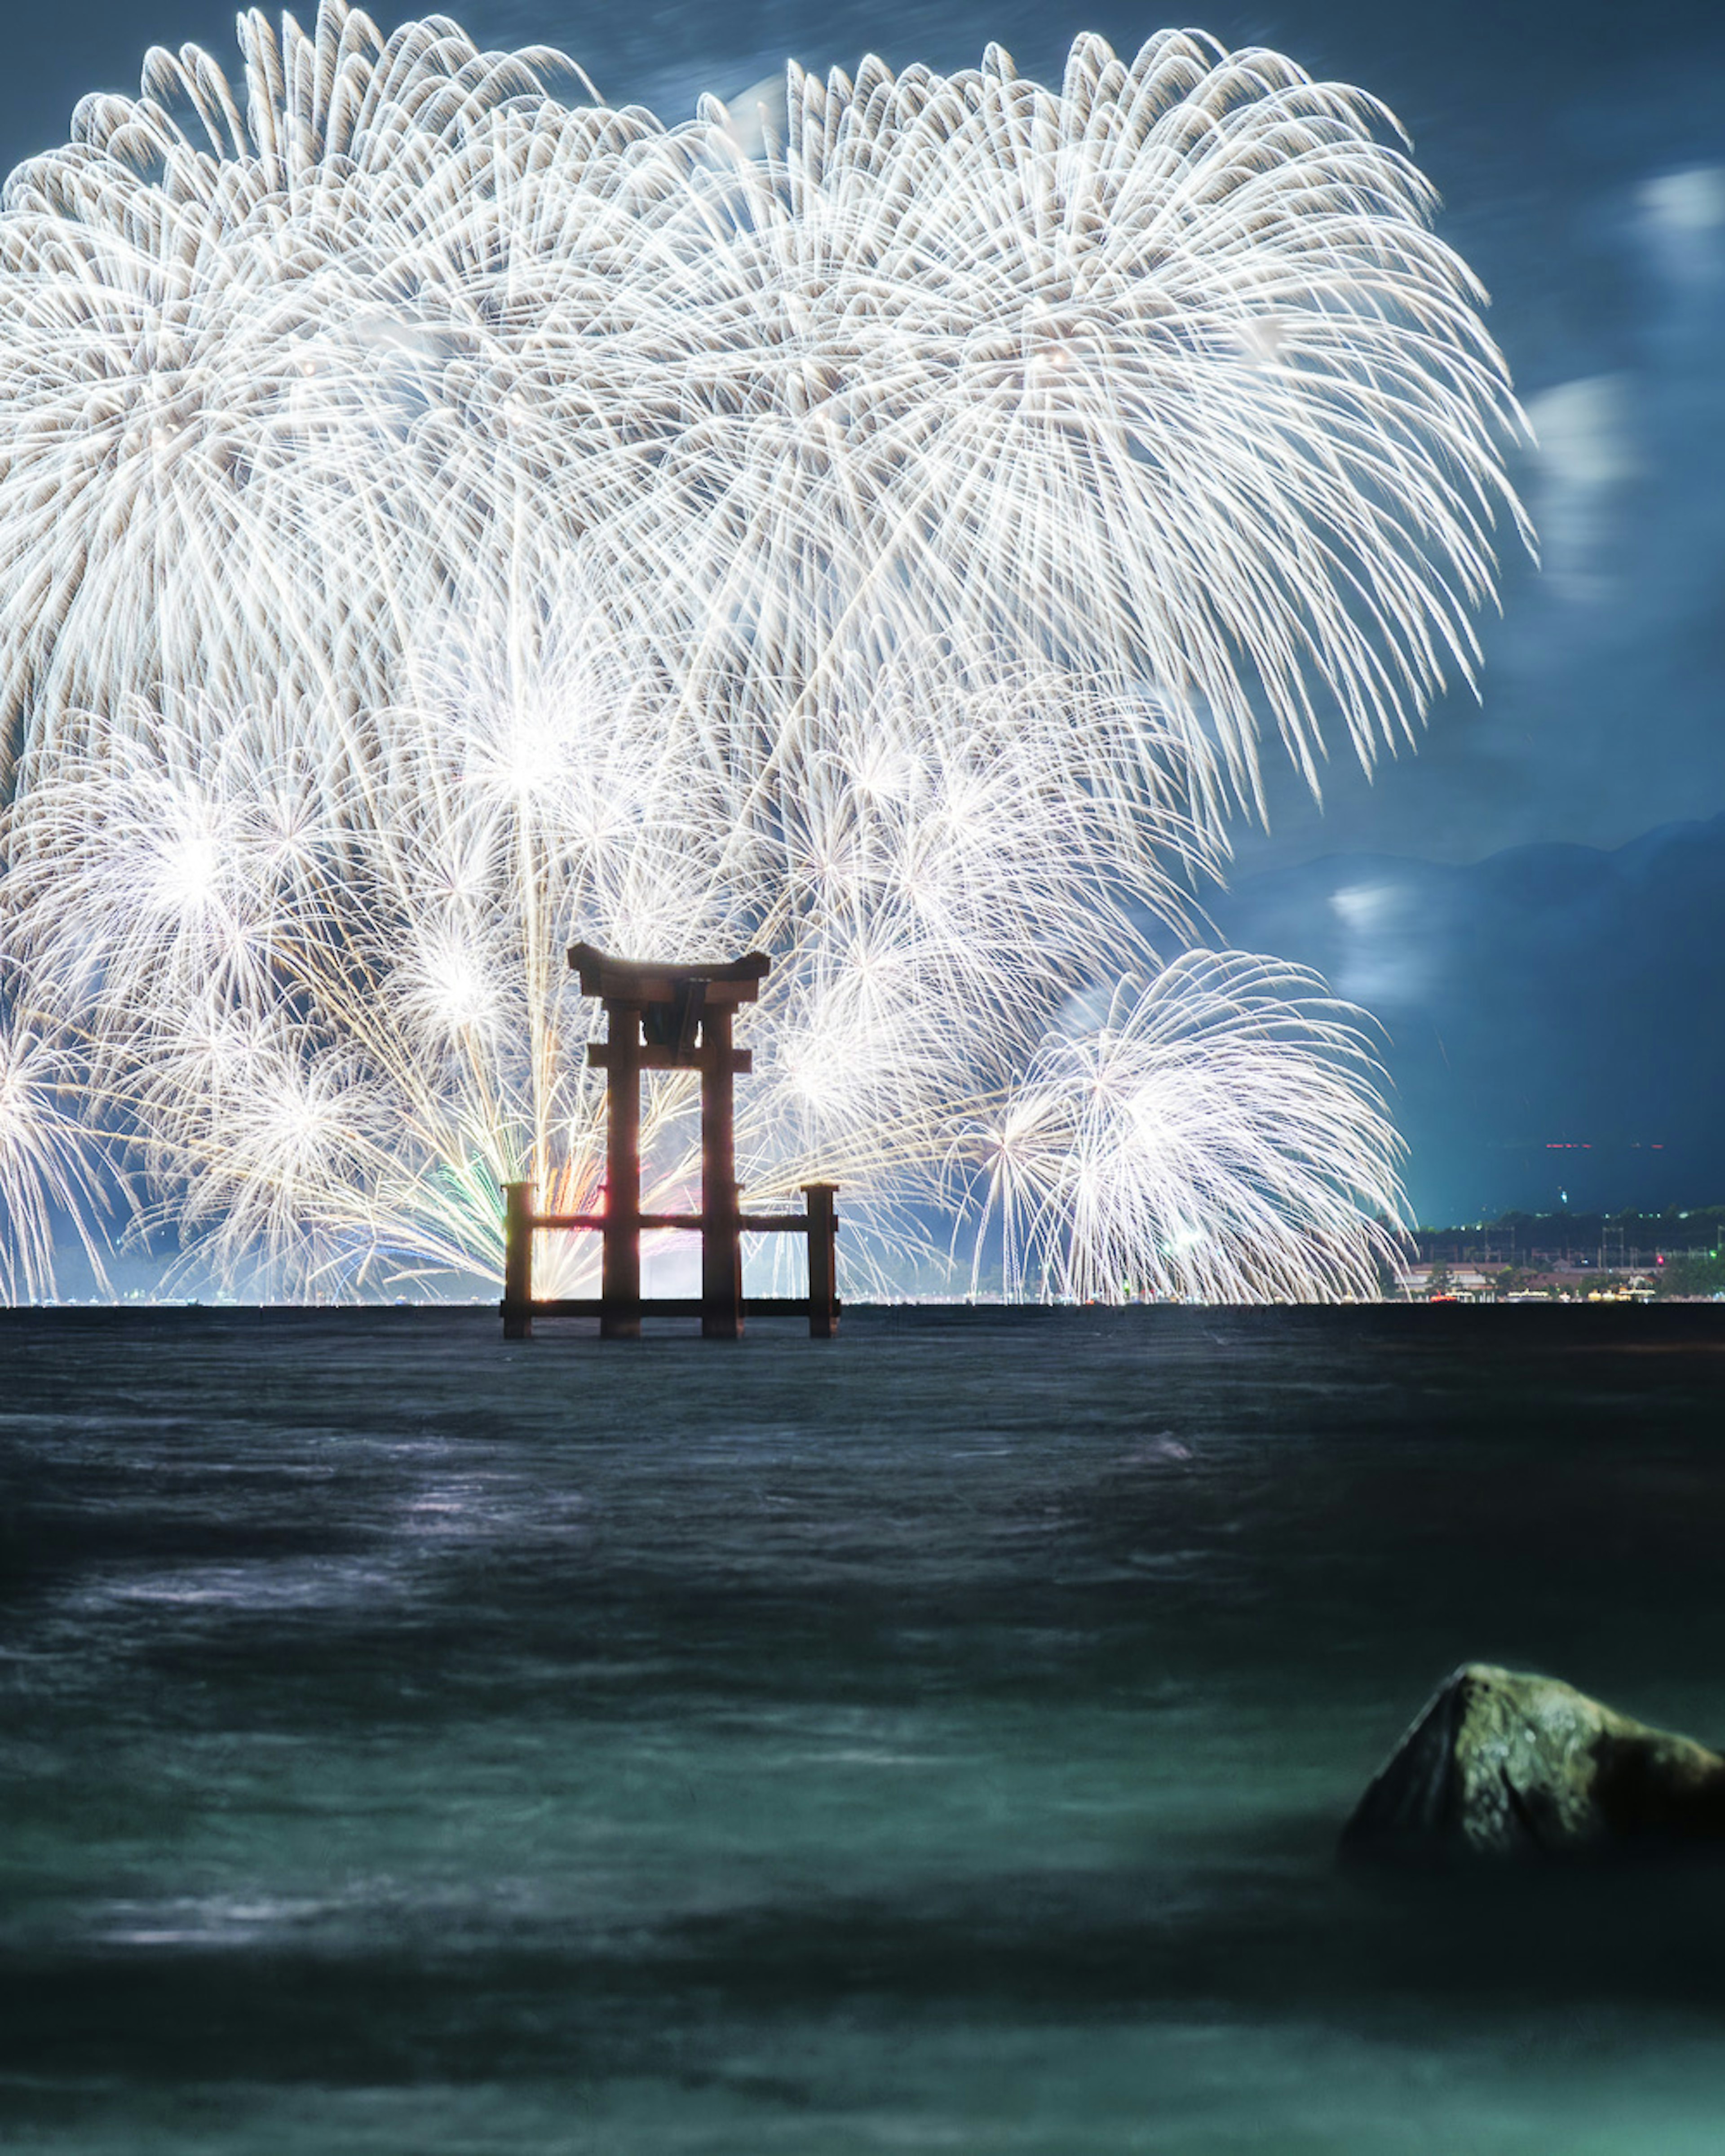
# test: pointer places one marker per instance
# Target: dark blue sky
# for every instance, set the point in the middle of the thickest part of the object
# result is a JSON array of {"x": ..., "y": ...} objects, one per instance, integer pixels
[{"x": 1581, "y": 152}]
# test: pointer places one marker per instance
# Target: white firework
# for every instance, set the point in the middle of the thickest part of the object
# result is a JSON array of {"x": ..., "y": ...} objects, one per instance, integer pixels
[
  {"x": 438, "y": 522},
  {"x": 49, "y": 1168},
  {"x": 1217, "y": 1135},
  {"x": 335, "y": 1019},
  {"x": 330, "y": 996},
  {"x": 1165, "y": 374}
]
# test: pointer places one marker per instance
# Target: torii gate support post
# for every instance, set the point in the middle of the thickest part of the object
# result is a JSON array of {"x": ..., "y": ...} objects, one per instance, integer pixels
[
  {"x": 620, "y": 1274},
  {"x": 823, "y": 1210},
  {"x": 720, "y": 1233},
  {"x": 517, "y": 1260}
]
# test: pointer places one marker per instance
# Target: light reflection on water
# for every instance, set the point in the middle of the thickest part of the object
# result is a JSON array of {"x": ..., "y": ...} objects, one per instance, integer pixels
[{"x": 935, "y": 1740}]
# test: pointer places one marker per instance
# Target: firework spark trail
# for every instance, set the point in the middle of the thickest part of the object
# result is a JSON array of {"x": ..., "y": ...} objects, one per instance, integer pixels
[
  {"x": 336, "y": 1000},
  {"x": 438, "y": 521},
  {"x": 1189, "y": 1145},
  {"x": 49, "y": 1165},
  {"x": 1165, "y": 374}
]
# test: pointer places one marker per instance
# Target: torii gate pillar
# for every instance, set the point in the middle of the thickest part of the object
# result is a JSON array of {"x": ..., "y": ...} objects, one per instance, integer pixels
[{"x": 721, "y": 1208}]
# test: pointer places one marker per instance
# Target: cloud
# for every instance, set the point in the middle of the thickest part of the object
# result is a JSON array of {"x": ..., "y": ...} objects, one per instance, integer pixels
[
  {"x": 1684, "y": 214},
  {"x": 1586, "y": 453},
  {"x": 1381, "y": 959}
]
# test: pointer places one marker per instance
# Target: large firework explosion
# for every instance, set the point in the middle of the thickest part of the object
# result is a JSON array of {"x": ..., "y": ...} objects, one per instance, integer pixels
[{"x": 442, "y": 518}]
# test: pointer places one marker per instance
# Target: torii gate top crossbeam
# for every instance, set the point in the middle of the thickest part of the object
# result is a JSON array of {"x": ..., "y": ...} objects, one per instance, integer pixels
[{"x": 632, "y": 981}]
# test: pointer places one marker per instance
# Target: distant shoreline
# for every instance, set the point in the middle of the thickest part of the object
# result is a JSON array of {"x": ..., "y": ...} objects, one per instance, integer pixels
[{"x": 479, "y": 1319}]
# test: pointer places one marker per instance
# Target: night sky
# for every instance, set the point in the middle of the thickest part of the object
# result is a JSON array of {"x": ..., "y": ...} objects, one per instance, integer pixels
[{"x": 1535, "y": 905}]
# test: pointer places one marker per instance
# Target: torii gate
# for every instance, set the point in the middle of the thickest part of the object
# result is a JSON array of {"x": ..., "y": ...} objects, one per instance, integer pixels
[{"x": 670, "y": 1005}]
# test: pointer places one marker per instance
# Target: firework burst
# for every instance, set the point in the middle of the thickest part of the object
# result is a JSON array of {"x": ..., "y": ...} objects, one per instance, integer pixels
[{"x": 441, "y": 518}]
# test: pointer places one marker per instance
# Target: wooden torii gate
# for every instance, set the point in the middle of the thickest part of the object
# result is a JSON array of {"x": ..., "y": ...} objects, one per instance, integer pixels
[{"x": 670, "y": 1018}]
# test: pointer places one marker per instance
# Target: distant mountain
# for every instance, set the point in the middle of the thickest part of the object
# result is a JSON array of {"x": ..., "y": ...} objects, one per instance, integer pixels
[{"x": 1556, "y": 1014}]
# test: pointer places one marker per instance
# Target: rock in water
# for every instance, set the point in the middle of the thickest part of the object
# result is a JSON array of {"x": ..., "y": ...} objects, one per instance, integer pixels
[{"x": 1501, "y": 1764}]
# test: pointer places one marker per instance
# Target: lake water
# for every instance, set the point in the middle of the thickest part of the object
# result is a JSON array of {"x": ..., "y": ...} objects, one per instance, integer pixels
[{"x": 933, "y": 1740}]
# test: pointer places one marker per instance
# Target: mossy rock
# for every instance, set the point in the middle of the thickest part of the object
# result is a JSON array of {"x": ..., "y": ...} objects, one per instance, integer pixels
[{"x": 1503, "y": 1765}]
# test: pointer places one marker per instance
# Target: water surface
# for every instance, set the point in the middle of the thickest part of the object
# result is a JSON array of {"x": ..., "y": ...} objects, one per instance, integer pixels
[{"x": 935, "y": 1739}]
